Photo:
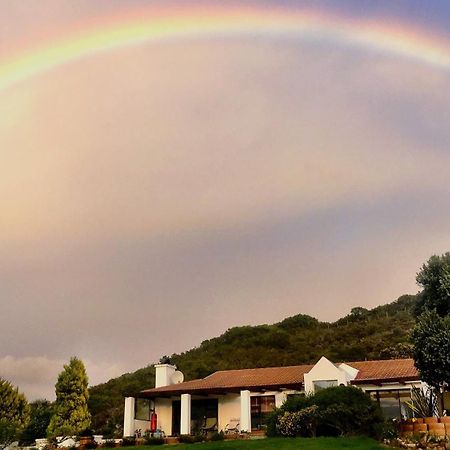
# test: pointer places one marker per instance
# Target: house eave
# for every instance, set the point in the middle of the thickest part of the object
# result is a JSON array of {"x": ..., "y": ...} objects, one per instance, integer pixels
[
  {"x": 218, "y": 390},
  {"x": 380, "y": 381}
]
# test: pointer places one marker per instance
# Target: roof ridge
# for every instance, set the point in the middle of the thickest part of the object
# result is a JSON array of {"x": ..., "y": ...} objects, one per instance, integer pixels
[
  {"x": 260, "y": 368},
  {"x": 378, "y": 361}
]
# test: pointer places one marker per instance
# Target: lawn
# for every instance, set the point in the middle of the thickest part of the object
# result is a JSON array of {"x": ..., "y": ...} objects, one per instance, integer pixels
[{"x": 356, "y": 443}]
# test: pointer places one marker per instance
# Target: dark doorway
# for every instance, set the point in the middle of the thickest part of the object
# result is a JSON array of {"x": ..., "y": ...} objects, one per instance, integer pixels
[
  {"x": 176, "y": 417},
  {"x": 201, "y": 411},
  {"x": 261, "y": 407}
]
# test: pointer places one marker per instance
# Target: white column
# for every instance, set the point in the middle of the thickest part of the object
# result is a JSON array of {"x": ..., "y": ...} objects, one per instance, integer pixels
[
  {"x": 280, "y": 398},
  {"x": 246, "y": 419},
  {"x": 128, "y": 417},
  {"x": 185, "y": 427}
]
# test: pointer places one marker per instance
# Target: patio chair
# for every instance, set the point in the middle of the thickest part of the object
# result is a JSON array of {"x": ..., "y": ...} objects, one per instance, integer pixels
[
  {"x": 210, "y": 425},
  {"x": 232, "y": 427}
]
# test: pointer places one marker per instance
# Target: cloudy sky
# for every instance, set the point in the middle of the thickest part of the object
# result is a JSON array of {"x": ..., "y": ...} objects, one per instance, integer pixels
[{"x": 155, "y": 193}]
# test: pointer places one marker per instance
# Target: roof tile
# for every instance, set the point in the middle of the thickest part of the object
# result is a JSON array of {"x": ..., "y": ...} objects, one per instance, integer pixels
[{"x": 396, "y": 369}]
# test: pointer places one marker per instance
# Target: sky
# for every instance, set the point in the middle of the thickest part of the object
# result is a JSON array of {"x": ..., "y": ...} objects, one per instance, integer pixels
[{"x": 170, "y": 170}]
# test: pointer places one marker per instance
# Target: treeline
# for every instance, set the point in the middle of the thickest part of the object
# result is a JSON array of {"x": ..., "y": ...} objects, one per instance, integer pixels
[{"x": 379, "y": 333}]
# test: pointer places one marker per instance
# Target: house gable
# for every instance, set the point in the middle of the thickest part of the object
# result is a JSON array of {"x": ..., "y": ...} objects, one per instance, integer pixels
[{"x": 325, "y": 374}]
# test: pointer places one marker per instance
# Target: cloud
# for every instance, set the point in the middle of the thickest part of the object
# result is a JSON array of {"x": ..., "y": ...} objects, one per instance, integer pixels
[{"x": 155, "y": 196}]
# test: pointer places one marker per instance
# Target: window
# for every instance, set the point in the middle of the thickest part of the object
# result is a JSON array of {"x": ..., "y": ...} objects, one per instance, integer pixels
[
  {"x": 261, "y": 406},
  {"x": 392, "y": 402},
  {"x": 323, "y": 384},
  {"x": 142, "y": 409}
]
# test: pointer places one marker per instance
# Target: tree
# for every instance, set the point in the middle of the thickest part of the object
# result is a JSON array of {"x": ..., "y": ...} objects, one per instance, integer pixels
[
  {"x": 41, "y": 413},
  {"x": 14, "y": 413},
  {"x": 398, "y": 351},
  {"x": 70, "y": 414},
  {"x": 431, "y": 340},
  {"x": 434, "y": 278}
]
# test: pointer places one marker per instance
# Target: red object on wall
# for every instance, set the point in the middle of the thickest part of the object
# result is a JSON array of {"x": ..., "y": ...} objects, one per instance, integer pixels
[{"x": 153, "y": 422}]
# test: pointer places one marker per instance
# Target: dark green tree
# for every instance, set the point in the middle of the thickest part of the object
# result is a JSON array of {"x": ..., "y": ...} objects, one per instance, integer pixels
[
  {"x": 70, "y": 413},
  {"x": 431, "y": 340},
  {"x": 434, "y": 278},
  {"x": 14, "y": 413},
  {"x": 41, "y": 413}
]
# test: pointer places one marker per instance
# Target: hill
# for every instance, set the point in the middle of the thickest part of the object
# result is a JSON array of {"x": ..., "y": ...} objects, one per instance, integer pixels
[{"x": 380, "y": 333}]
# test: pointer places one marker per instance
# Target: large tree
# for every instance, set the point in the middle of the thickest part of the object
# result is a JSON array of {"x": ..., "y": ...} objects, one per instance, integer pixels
[
  {"x": 431, "y": 340},
  {"x": 70, "y": 413},
  {"x": 14, "y": 413},
  {"x": 434, "y": 278}
]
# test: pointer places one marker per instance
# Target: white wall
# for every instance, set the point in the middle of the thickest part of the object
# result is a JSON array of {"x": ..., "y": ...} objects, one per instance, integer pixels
[
  {"x": 229, "y": 408},
  {"x": 163, "y": 408},
  {"x": 163, "y": 374},
  {"x": 141, "y": 425},
  {"x": 280, "y": 398},
  {"x": 325, "y": 370}
]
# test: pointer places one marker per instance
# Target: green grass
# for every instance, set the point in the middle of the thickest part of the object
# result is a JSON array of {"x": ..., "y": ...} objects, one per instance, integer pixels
[{"x": 354, "y": 443}]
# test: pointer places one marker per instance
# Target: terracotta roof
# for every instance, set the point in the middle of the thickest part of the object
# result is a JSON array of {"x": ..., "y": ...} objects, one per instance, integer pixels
[
  {"x": 235, "y": 380},
  {"x": 392, "y": 369},
  {"x": 286, "y": 377}
]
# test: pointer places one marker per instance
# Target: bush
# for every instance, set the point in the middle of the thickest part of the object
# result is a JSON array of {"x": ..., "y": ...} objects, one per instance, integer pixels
[
  {"x": 335, "y": 411},
  {"x": 154, "y": 441},
  {"x": 298, "y": 423},
  {"x": 389, "y": 430},
  {"x": 188, "y": 439},
  {"x": 217, "y": 436},
  {"x": 128, "y": 441},
  {"x": 293, "y": 403},
  {"x": 347, "y": 410}
]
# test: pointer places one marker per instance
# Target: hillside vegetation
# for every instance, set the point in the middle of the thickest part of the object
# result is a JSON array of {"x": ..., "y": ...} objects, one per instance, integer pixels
[{"x": 380, "y": 333}]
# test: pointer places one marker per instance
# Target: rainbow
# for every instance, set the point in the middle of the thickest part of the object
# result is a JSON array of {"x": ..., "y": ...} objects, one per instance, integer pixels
[{"x": 156, "y": 25}]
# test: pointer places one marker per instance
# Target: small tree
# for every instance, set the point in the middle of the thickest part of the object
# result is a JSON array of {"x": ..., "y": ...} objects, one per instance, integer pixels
[
  {"x": 434, "y": 278},
  {"x": 70, "y": 414},
  {"x": 431, "y": 340},
  {"x": 41, "y": 413},
  {"x": 14, "y": 413}
]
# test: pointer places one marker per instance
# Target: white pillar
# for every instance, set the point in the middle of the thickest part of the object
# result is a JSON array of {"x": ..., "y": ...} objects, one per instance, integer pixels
[
  {"x": 280, "y": 398},
  {"x": 246, "y": 419},
  {"x": 185, "y": 427},
  {"x": 128, "y": 417}
]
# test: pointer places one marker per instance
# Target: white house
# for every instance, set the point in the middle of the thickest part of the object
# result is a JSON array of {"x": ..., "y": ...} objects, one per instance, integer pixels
[{"x": 248, "y": 395}]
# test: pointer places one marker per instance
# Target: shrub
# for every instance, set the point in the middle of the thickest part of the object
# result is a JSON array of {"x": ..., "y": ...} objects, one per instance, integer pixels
[
  {"x": 298, "y": 423},
  {"x": 217, "y": 436},
  {"x": 293, "y": 403},
  {"x": 128, "y": 441},
  {"x": 154, "y": 440},
  {"x": 347, "y": 410},
  {"x": 338, "y": 411},
  {"x": 387, "y": 430},
  {"x": 188, "y": 439}
]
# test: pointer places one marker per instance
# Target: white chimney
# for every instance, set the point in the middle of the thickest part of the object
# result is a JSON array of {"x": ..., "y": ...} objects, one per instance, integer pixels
[{"x": 163, "y": 374}]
